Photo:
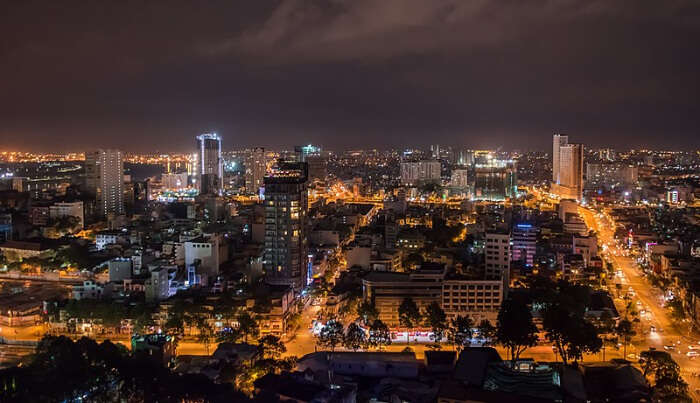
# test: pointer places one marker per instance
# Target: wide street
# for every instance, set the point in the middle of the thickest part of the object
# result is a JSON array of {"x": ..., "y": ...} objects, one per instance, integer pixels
[{"x": 667, "y": 331}]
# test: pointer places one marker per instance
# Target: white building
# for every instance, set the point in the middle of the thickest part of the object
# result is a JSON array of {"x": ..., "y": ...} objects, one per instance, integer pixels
[
  {"x": 420, "y": 172},
  {"x": 63, "y": 209},
  {"x": 498, "y": 256},
  {"x": 88, "y": 290},
  {"x": 203, "y": 252},
  {"x": 174, "y": 181},
  {"x": 104, "y": 238}
]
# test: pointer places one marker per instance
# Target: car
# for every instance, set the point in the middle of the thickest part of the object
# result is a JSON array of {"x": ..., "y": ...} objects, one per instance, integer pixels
[
  {"x": 692, "y": 354},
  {"x": 669, "y": 347},
  {"x": 652, "y": 329},
  {"x": 691, "y": 347}
]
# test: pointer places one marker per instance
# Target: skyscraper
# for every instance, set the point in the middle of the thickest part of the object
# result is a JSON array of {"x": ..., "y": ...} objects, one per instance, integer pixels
[
  {"x": 211, "y": 169},
  {"x": 285, "y": 257},
  {"x": 559, "y": 140},
  {"x": 567, "y": 168},
  {"x": 255, "y": 168},
  {"x": 104, "y": 178},
  {"x": 571, "y": 171}
]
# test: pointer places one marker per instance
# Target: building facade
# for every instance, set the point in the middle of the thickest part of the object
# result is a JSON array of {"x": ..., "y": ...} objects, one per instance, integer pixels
[
  {"x": 104, "y": 178},
  {"x": 286, "y": 260},
  {"x": 210, "y": 164}
]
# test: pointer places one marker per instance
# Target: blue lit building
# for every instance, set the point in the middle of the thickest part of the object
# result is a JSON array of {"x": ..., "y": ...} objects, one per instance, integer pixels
[{"x": 524, "y": 238}]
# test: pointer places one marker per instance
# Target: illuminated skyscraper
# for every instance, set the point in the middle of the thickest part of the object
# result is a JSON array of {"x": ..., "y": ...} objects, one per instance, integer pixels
[
  {"x": 210, "y": 164},
  {"x": 255, "y": 168},
  {"x": 559, "y": 140},
  {"x": 567, "y": 168},
  {"x": 285, "y": 257},
  {"x": 104, "y": 178}
]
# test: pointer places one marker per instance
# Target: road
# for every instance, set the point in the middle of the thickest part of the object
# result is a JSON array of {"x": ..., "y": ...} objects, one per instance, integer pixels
[{"x": 650, "y": 300}]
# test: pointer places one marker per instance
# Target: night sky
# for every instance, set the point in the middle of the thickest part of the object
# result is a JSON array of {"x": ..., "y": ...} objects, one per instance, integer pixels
[{"x": 146, "y": 75}]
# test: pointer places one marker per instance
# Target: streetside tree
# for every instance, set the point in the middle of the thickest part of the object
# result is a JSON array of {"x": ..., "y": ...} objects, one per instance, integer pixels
[
  {"x": 515, "y": 328},
  {"x": 409, "y": 316}
]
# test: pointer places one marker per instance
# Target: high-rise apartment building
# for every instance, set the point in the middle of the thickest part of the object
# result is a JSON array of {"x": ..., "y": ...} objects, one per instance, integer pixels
[
  {"x": 498, "y": 256},
  {"x": 210, "y": 164},
  {"x": 285, "y": 256},
  {"x": 567, "y": 168},
  {"x": 104, "y": 178},
  {"x": 416, "y": 173},
  {"x": 255, "y": 168}
]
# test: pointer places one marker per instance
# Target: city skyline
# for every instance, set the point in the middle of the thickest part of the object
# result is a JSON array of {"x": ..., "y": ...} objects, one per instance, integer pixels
[{"x": 341, "y": 74}]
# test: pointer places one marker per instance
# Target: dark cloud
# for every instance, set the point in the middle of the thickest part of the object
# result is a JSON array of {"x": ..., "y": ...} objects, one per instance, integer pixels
[{"x": 349, "y": 73}]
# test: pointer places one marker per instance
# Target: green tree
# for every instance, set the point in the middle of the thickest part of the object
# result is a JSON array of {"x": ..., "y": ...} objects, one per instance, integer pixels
[
  {"x": 248, "y": 325},
  {"x": 572, "y": 335},
  {"x": 205, "y": 331},
  {"x": 668, "y": 386},
  {"x": 367, "y": 312},
  {"x": 515, "y": 328},
  {"x": 409, "y": 316},
  {"x": 379, "y": 334},
  {"x": 625, "y": 332},
  {"x": 436, "y": 319},
  {"x": 271, "y": 347},
  {"x": 331, "y": 335},
  {"x": 355, "y": 337},
  {"x": 487, "y": 332},
  {"x": 460, "y": 331}
]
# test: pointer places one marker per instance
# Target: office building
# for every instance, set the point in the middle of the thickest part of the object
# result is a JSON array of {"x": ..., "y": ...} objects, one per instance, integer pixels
[
  {"x": 316, "y": 159},
  {"x": 285, "y": 259},
  {"x": 524, "y": 243},
  {"x": 417, "y": 173},
  {"x": 210, "y": 164},
  {"x": 255, "y": 169},
  {"x": 495, "y": 179},
  {"x": 478, "y": 299},
  {"x": 302, "y": 152},
  {"x": 464, "y": 157},
  {"x": 104, "y": 178},
  {"x": 498, "y": 256}
]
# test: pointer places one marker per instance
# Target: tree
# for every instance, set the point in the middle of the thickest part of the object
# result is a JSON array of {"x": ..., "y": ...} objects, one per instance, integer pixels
[
  {"x": 355, "y": 337},
  {"x": 379, "y": 334},
  {"x": 331, "y": 335},
  {"x": 572, "y": 335},
  {"x": 625, "y": 332},
  {"x": 248, "y": 325},
  {"x": 205, "y": 331},
  {"x": 271, "y": 347},
  {"x": 515, "y": 328},
  {"x": 677, "y": 311},
  {"x": 367, "y": 312},
  {"x": 409, "y": 316},
  {"x": 460, "y": 331},
  {"x": 436, "y": 319},
  {"x": 668, "y": 385},
  {"x": 487, "y": 332}
]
